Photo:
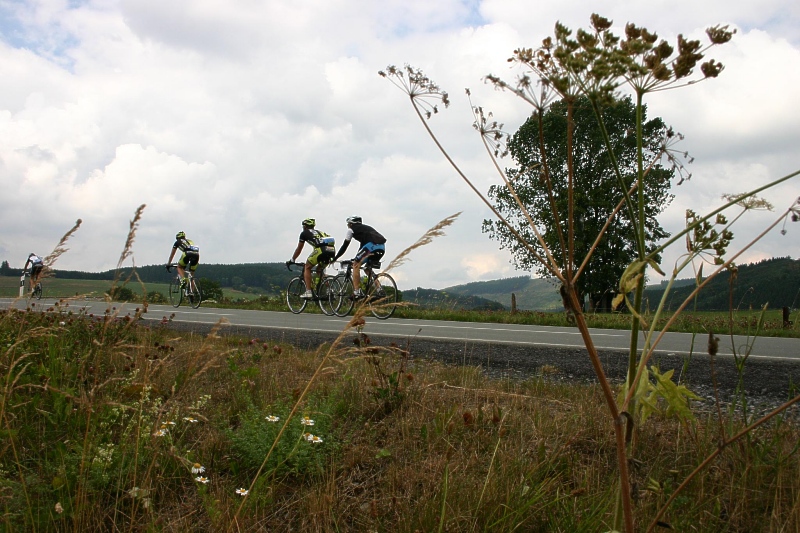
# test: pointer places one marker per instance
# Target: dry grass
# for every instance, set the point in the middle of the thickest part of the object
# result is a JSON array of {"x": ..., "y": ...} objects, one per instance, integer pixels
[{"x": 446, "y": 446}]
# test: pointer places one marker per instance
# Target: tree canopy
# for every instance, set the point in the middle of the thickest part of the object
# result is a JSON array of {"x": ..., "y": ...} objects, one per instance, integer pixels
[{"x": 540, "y": 148}]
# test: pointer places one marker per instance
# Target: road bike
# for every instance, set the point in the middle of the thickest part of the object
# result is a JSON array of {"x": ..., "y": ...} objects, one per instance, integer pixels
[
  {"x": 37, "y": 289},
  {"x": 189, "y": 289},
  {"x": 380, "y": 290},
  {"x": 322, "y": 290}
]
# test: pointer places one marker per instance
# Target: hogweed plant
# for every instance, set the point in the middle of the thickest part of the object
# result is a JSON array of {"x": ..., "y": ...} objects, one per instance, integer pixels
[{"x": 597, "y": 64}]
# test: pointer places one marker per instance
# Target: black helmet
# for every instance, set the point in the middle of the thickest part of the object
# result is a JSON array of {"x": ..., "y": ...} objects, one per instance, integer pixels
[
  {"x": 354, "y": 220},
  {"x": 310, "y": 222},
  {"x": 180, "y": 235}
]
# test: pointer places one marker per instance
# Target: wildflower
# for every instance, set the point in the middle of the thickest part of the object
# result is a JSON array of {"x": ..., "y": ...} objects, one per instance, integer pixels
[
  {"x": 306, "y": 421},
  {"x": 272, "y": 418},
  {"x": 170, "y": 423},
  {"x": 201, "y": 479},
  {"x": 197, "y": 468},
  {"x": 190, "y": 419},
  {"x": 160, "y": 433},
  {"x": 62, "y": 323},
  {"x": 315, "y": 440},
  {"x": 59, "y": 509},
  {"x": 308, "y": 436},
  {"x": 242, "y": 492}
]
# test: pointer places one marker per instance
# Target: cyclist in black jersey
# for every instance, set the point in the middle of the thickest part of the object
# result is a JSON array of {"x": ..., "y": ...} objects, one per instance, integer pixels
[
  {"x": 37, "y": 265},
  {"x": 190, "y": 255},
  {"x": 321, "y": 256},
  {"x": 372, "y": 245}
]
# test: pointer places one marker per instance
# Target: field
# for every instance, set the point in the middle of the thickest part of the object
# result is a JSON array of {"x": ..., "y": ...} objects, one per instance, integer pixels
[
  {"x": 111, "y": 426},
  {"x": 70, "y": 288}
]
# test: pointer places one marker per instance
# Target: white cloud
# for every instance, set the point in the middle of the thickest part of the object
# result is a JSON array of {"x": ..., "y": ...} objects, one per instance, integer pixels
[{"x": 233, "y": 121}]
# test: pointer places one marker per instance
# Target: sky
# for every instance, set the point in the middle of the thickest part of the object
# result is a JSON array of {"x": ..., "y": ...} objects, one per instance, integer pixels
[{"x": 235, "y": 120}]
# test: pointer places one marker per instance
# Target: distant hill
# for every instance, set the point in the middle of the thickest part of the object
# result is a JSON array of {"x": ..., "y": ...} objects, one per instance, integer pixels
[
  {"x": 773, "y": 281},
  {"x": 532, "y": 294},
  {"x": 441, "y": 299}
]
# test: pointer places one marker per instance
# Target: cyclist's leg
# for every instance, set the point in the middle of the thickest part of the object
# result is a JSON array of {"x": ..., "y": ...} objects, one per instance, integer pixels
[
  {"x": 36, "y": 272},
  {"x": 182, "y": 267},
  {"x": 311, "y": 262},
  {"x": 192, "y": 260}
]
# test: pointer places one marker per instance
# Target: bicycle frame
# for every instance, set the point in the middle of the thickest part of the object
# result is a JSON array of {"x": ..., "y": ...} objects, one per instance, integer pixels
[
  {"x": 297, "y": 287},
  {"x": 190, "y": 290},
  {"x": 380, "y": 291}
]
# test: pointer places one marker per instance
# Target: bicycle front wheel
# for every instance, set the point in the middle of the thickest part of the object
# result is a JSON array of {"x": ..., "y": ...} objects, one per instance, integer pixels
[
  {"x": 37, "y": 291},
  {"x": 344, "y": 299},
  {"x": 294, "y": 293},
  {"x": 382, "y": 296},
  {"x": 329, "y": 296},
  {"x": 195, "y": 296},
  {"x": 175, "y": 292}
]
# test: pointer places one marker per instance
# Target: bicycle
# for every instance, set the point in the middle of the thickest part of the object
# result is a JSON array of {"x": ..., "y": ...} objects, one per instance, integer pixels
[
  {"x": 189, "y": 290},
  {"x": 322, "y": 291},
  {"x": 380, "y": 290},
  {"x": 37, "y": 289}
]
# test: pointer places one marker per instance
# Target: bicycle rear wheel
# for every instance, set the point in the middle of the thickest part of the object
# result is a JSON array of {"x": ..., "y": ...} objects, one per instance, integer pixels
[
  {"x": 344, "y": 297},
  {"x": 175, "y": 292},
  {"x": 37, "y": 291},
  {"x": 328, "y": 296},
  {"x": 294, "y": 292},
  {"x": 382, "y": 296},
  {"x": 195, "y": 295}
]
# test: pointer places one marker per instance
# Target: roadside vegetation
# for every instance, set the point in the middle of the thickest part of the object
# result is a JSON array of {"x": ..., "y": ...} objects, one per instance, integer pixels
[{"x": 111, "y": 425}]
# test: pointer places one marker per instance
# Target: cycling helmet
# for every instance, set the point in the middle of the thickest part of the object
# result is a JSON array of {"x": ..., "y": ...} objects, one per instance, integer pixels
[
  {"x": 32, "y": 254},
  {"x": 354, "y": 220},
  {"x": 180, "y": 235},
  {"x": 310, "y": 222}
]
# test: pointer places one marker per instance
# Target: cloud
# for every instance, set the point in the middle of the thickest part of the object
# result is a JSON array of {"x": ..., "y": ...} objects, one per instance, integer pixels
[{"x": 233, "y": 121}]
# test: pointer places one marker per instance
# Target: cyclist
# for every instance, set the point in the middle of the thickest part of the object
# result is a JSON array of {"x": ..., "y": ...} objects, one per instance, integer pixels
[
  {"x": 322, "y": 255},
  {"x": 190, "y": 255},
  {"x": 37, "y": 265},
  {"x": 372, "y": 245}
]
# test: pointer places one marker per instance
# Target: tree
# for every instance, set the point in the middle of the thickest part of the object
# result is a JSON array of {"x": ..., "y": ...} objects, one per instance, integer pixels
[
  {"x": 595, "y": 189},
  {"x": 210, "y": 289},
  {"x": 5, "y": 269}
]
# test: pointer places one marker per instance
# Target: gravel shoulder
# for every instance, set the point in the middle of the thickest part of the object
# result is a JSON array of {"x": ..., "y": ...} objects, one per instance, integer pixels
[{"x": 767, "y": 383}]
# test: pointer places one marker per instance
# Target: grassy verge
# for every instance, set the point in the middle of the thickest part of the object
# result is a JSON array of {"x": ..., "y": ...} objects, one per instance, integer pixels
[{"x": 108, "y": 425}]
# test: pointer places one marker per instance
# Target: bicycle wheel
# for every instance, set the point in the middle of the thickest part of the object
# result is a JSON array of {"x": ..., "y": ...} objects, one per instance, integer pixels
[
  {"x": 294, "y": 292},
  {"x": 194, "y": 295},
  {"x": 175, "y": 292},
  {"x": 382, "y": 296},
  {"x": 328, "y": 295},
  {"x": 37, "y": 291},
  {"x": 344, "y": 297}
]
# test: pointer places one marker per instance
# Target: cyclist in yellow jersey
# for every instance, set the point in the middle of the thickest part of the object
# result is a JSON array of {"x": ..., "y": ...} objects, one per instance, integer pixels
[
  {"x": 190, "y": 255},
  {"x": 321, "y": 256}
]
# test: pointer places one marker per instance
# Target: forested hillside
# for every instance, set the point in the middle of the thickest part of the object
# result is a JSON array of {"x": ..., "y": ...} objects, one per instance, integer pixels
[
  {"x": 533, "y": 294},
  {"x": 773, "y": 281},
  {"x": 436, "y": 299}
]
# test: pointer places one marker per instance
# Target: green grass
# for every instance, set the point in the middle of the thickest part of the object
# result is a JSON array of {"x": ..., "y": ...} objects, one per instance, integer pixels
[
  {"x": 103, "y": 421},
  {"x": 70, "y": 288}
]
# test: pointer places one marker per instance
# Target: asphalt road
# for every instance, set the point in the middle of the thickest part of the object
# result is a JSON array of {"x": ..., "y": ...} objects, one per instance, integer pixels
[
  {"x": 520, "y": 335},
  {"x": 502, "y": 349}
]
